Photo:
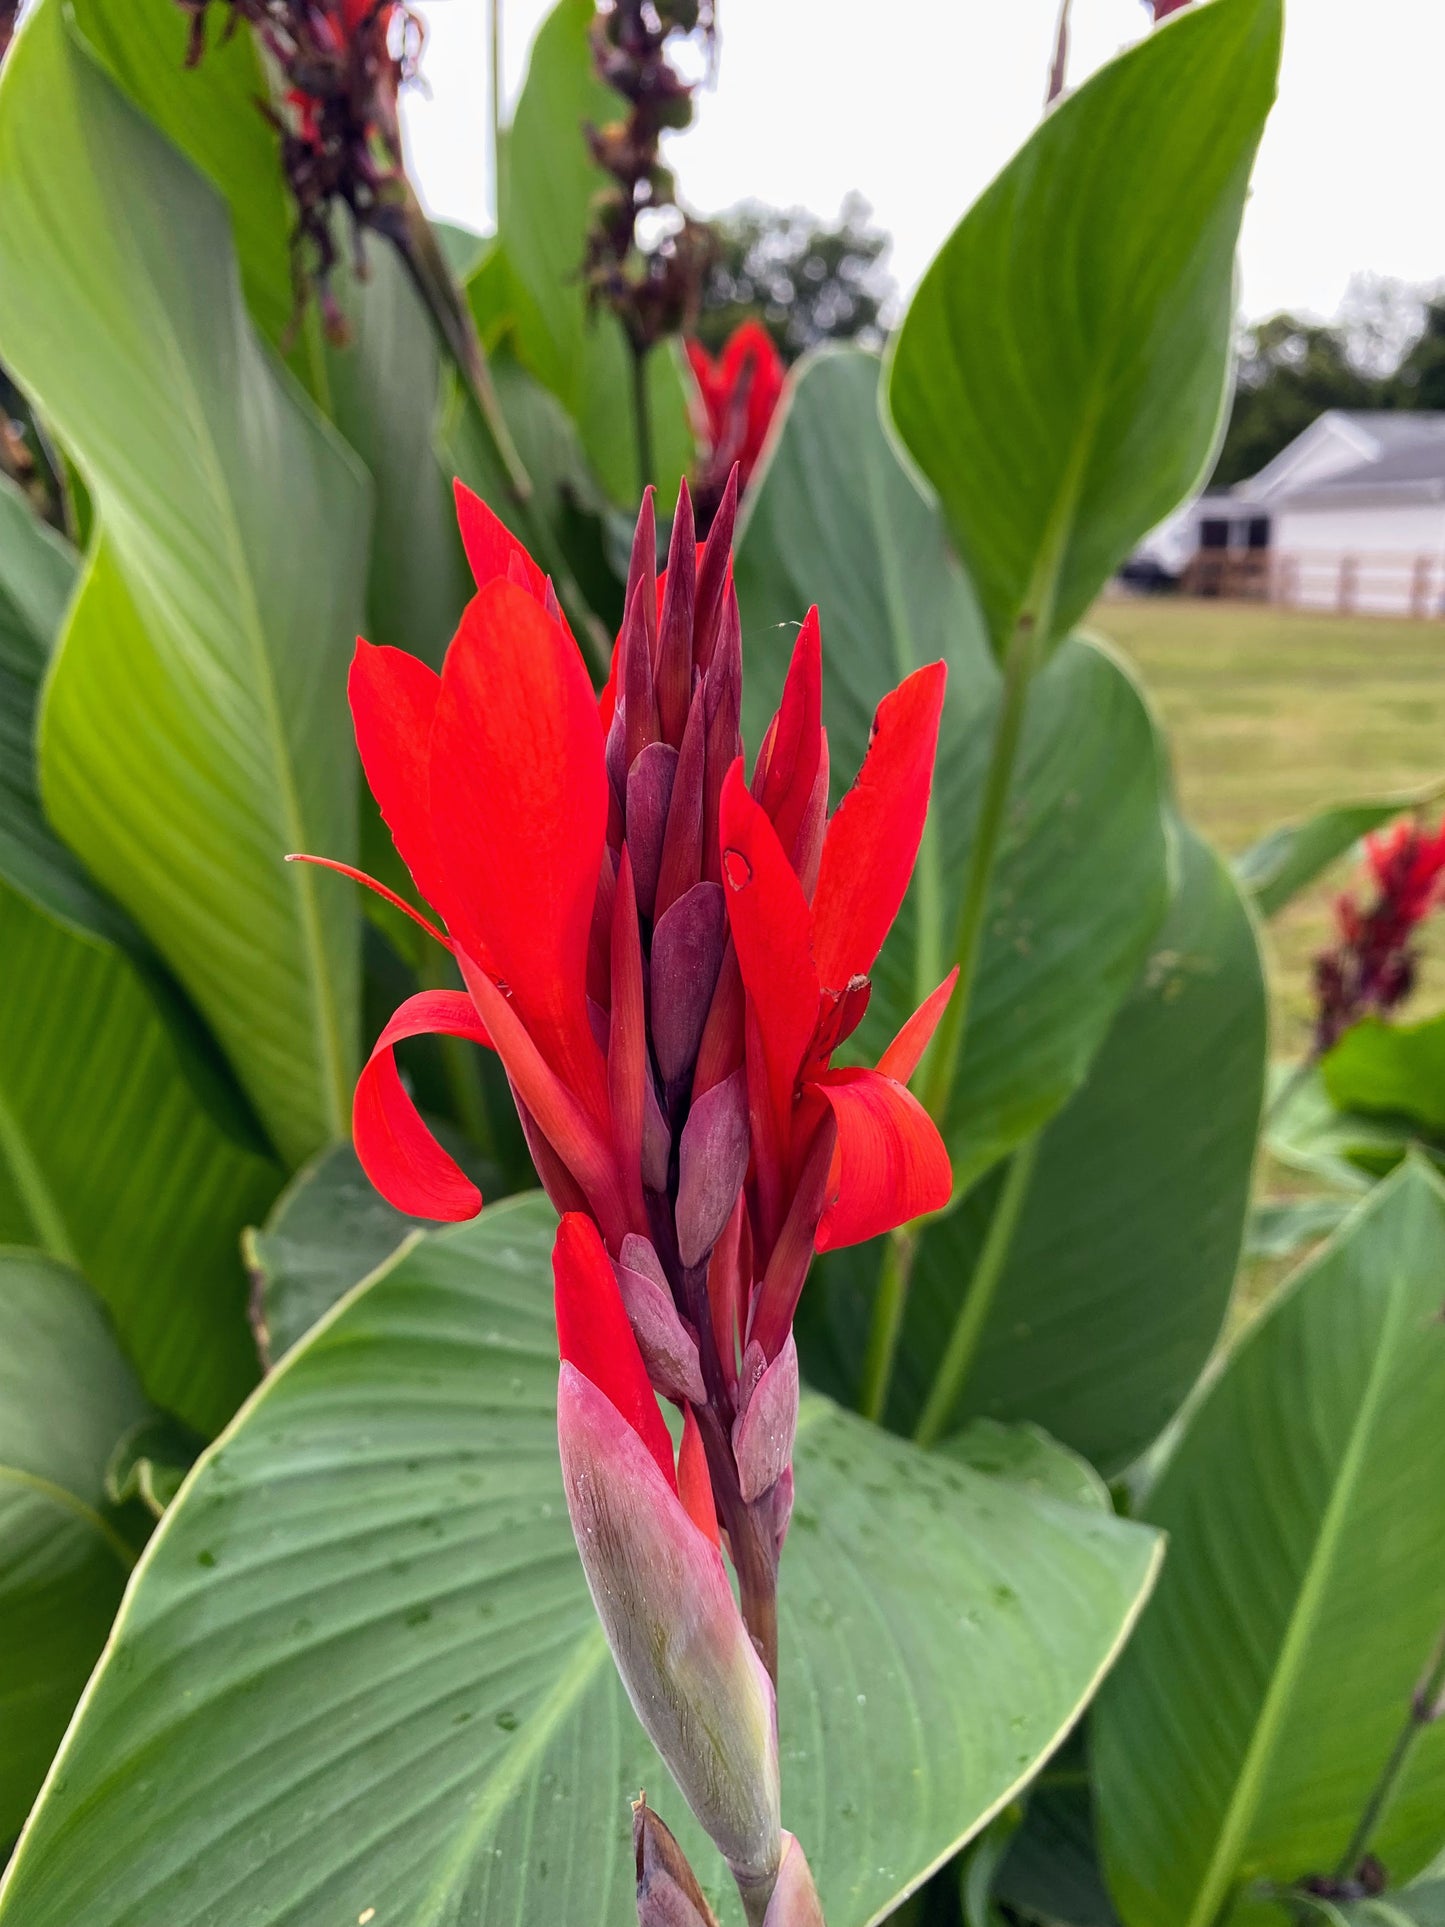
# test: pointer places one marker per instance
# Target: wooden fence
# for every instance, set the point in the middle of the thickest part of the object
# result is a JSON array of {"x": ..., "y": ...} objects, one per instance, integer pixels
[{"x": 1381, "y": 582}]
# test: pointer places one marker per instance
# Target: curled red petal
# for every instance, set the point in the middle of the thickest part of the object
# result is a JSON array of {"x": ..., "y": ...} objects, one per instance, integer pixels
[
  {"x": 872, "y": 840},
  {"x": 350, "y": 871},
  {"x": 902, "y": 1056},
  {"x": 593, "y": 1334},
  {"x": 393, "y": 704},
  {"x": 519, "y": 808},
  {"x": 890, "y": 1164},
  {"x": 397, "y": 1151}
]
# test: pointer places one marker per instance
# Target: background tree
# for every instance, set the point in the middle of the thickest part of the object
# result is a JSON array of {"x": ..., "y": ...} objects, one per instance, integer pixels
[{"x": 807, "y": 280}]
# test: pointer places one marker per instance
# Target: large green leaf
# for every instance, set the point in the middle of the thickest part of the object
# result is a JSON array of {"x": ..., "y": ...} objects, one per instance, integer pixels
[
  {"x": 37, "y": 575},
  {"x": 359, "y": 1668},
  {"x": 329, "y": 1229},
  {"x": 1120, "y": 1269},
  {"x": 67, "y": 1396},
  {"x": 1051, "y": 1871},
  {"x": 1081, "y": 882},
  {"x": 1062, "y": 369},
  {"x": 1290, "y": 858},
  {"x": 1420, "y": 1905},
  {"x": 1394, "y": 1069},
  {"x": 211, "y": 114},
  {"x": 548, "y": 190},
  {"x": 381, "y": 386},
  {"x": 1345, "y": 1148},
  {"x": 194, "y": 728},
  {"x": 385, "y": 394},
  {"x": 1303, "y": 1594},
  {"x": 121, "y": 1148}
]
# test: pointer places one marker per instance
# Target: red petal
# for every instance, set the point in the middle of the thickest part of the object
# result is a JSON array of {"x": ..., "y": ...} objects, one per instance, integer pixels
[
  {"x": 349, "y": 871},
  {"x": 890, "y": 1164},
  {"x": 594, "y": 1336},
  {"x": 397, "y": 1151},
  {"x": 393, "y": 704},
  {"x": 694, "y": 1482},
  {"x": 492, "y": 549},
  {"x": 872, "y": 840},
  {"x": 584, "y": 1147},
  {"x": 607, "y": 701},
  {"x": 902, "y": 1056},
  {"x": 788, "y": 765},
  {"x": 772, "y": 934},
  {"x": 519, "y": 803}
]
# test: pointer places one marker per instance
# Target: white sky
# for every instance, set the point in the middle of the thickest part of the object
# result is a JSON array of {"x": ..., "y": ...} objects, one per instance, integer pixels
[{"x": 815, "y": 97}]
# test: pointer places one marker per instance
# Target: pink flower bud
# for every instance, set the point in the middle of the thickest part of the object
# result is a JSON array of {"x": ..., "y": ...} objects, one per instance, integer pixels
[
  {"x": 668, "y": 1349},
  {"x": 712, "y": 1163},
  {"x": 795, "y": 1899},
  {"x": 765, "y": 1428},
  {"x": 662, "y": 1594}
]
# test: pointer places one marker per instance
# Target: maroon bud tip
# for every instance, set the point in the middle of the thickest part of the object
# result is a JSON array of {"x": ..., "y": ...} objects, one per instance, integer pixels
[
  {"x": 687, "y": 953},
  {"x": 764, "y": 1430},
  {"x": 649, "y": 793},
  {"x": 712, "y": 1163},
  {"x": 667, "y": 1891}
]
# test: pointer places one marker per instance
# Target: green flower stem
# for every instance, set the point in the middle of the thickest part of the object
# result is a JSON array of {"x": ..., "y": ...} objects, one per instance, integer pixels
[
  {"x": 893, "y": 1276},
  {"x": 642, "y": 416},
  {"x": 947, "y": 1048},
  {"x": 942, "y": 1063},
  {"x": 1424, "y": 1711},
  {"x": 973, "y": 1312}
]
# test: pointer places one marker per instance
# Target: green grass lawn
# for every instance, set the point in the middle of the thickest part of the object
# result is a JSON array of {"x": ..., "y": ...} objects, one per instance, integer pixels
[{"x": 1271, "y": 713}]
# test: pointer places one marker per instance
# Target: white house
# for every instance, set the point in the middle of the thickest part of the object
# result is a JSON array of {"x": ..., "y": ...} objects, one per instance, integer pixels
[{"x": 1350, "y": 516}]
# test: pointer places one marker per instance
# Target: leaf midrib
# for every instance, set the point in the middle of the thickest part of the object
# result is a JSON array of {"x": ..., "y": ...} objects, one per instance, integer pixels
[
  {"x": 1248, "y": 1793},
  {"x": 35, "y": 1194}
]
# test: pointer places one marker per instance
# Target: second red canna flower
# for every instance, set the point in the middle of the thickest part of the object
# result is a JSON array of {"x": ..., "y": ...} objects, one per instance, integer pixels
[{"x": 740, "y": 391}]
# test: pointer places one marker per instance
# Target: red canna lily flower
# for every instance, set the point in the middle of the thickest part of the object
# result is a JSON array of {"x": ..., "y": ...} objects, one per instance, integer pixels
[
  {"x": 740, "y": 391},
  {"x": 1372, "y": 967},
  {"x": 665, "y": 958}
]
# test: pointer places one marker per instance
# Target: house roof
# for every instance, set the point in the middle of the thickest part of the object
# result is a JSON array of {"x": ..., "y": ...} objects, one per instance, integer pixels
[{"x": 1358, "y": 456}]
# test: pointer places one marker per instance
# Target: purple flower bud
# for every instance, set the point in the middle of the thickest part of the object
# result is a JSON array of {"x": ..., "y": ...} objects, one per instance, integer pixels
[
  {"x": 687, "y": 952},
  {"x": 795, "y": 1900},
  {"x": 712, "y": 573},
  {"x": 764, "y": 1430},
  {"x": 616, "y": 752},
  {"x": 639, "y": 699},
  {"x": 656, "y": 1140},
  {"x": 712, "y": 1163},
  {"x": 682, "y": 843},
  {"x": 667, "y": 1891},
  {"x": 674, "y": 624},
  {"x": 662, "y": 1594},
  {"x": 668, "y": 1348},
  {"x": 649, "y": 791}
]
